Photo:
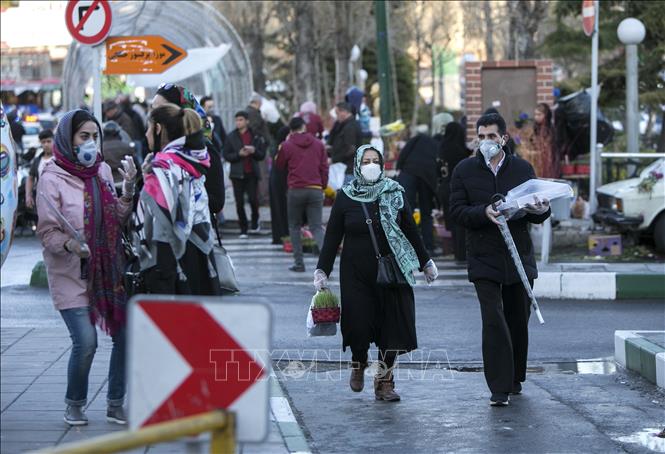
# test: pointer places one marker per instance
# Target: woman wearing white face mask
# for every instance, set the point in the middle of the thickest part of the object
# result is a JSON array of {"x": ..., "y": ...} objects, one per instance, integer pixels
[
  {"x": 371, "y": 311},
  {"x": 85, "y": 268}
]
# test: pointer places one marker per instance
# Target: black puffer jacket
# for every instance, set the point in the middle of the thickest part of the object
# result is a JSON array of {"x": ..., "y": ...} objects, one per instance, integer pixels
[{"x": 473, "y": 185}]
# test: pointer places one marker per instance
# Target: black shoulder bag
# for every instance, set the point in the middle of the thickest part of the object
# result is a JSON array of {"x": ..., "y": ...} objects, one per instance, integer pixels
[{"x": 388, "y": 273}]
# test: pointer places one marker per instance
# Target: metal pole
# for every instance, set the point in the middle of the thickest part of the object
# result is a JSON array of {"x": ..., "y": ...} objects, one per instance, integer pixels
[
  {"x": 632, "y": 104},
  {"x": 97, "y": 82},
  {"x": 385, "y": 81},
  {"x": 593, "y": 152}
]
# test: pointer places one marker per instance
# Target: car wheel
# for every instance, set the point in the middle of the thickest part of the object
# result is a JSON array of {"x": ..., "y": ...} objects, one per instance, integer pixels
[{"x": 659, "y": 233}]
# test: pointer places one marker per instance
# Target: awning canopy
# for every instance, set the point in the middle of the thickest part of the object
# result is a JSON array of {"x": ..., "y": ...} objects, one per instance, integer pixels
[{"x": 191, "y": 25}]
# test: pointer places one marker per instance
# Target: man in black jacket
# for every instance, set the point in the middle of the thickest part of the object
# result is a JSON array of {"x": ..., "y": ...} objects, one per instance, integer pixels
[
  {"x": 345, "y": 138},
  {"x": 244, "y": 149},
  {"x": 504, "y": 304}
]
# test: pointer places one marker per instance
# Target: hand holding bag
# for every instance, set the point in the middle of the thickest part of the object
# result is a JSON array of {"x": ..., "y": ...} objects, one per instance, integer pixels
[{"x": 388, "y": 273}]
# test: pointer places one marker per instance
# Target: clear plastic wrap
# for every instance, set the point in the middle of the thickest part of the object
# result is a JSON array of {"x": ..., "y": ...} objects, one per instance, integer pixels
[{"x": 526, "y": 193}]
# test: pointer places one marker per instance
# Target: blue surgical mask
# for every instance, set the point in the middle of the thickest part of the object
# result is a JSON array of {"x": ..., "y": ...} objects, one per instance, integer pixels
[{"x": 87, "y": 153}]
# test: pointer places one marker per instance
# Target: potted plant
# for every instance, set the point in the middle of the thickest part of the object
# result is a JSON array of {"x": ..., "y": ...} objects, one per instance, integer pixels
[{"x": 325, "y": 307}]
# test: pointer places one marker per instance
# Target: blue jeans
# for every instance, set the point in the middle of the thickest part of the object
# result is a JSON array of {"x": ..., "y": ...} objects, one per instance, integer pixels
[{"x": 84, "y": 345}]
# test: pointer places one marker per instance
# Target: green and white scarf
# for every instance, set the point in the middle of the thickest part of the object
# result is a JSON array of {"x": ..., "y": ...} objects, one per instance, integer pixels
[{"x": 391, "y": 200}]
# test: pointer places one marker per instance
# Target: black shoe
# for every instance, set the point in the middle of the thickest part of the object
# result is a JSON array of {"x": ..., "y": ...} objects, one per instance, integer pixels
[
  {"x": 499, "y": 400},
  {"x": 297, "y": 268},
  {"x": 517, "y": 388}
]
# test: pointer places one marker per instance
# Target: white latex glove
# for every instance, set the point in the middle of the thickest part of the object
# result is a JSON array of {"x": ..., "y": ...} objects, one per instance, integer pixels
[
  {"x": 538, "y": 206},
  {"x": 431, "y": 272},
  {"x": 320, "y": 280},
  {"x": 80, "y": 249},
  {"x": 128, "y": 172}
]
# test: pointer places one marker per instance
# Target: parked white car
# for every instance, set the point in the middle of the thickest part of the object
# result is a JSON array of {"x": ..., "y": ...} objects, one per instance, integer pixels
[{"x": 622, "y": 204}]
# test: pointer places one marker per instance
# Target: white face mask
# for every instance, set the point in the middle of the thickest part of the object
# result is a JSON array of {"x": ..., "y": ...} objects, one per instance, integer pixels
[
  {"x": 371, "y": 172},
  {"x": 489, "y": 149},
  {"x": 87, "y": 153}
]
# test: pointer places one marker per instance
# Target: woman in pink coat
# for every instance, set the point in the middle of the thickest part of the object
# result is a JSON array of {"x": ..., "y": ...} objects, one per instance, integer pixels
[{"x": 85, "y": 266}]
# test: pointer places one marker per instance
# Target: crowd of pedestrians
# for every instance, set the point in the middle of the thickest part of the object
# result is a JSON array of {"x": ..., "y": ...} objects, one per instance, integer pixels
[{"x": 147, "y": 187}]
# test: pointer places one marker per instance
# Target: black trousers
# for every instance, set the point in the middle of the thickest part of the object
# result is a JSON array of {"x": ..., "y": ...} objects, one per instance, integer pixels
[
  {"x": 248, "y": 185},
  {"x": 505, "y": 311},
  {"x": 419, "y": 194}
]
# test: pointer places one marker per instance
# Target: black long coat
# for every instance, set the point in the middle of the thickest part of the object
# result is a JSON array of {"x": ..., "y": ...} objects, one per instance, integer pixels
[
  {"x": 473, "y": 185},
  {"x": 370, "y": 313}
]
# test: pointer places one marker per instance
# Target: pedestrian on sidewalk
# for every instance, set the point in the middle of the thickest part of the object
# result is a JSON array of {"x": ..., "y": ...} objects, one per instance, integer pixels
[
  {"x": 115, "y": 150},
  {"x": 244, "y": 149},
  {"x": 176, "y": 237},
  {"x": 419, "y": 175},
  {"x": 279, "y": 223},
  {"x": 305, "y": 160},
  {"x": 214, "y": 175},
  {"x": 312, "y": 119},
  {"x": 504, "y": 303},
  {"x": 372, "y": 312},
  {"x": 37, "y": 166},
  {"x": 345, "y": 138},
  {"x": 452, "y": 151},
  {"x": 86, "y": 278}
]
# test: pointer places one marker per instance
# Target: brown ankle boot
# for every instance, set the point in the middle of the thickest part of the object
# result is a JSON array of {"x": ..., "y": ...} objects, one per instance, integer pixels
[
  {"x": 384, "y": 388},
  {"x": 357, "y": 381}
]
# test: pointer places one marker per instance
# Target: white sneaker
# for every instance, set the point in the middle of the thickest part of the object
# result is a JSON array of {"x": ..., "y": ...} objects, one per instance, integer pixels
[
  {"x": 257, "y": 229},
  {"x": 243, "y": 236}
]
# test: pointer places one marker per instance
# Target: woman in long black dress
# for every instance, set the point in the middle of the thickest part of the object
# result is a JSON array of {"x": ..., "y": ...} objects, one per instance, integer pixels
[{"x": 373, "y": 313}]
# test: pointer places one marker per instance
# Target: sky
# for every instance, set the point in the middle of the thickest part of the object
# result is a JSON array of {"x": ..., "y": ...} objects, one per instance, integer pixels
[{"x": 35, "y": 23}]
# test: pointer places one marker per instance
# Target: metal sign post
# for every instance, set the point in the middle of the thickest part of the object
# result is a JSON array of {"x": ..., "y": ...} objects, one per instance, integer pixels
[{"x": 594, "y": 156}]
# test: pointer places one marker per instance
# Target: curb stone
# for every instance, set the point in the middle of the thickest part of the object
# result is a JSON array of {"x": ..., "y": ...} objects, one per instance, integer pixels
[
  {"x": 288, "y": 425},
  {"x": 599, "y": 285},
  {"x": 642, "y": 352}
]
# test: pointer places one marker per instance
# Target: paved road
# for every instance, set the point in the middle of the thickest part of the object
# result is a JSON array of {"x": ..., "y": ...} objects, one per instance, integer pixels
[{"x": 574, "y": 399}]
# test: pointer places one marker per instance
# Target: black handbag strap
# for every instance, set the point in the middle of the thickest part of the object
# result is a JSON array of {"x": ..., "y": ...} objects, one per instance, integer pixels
[{"x": 368, "y": 221}]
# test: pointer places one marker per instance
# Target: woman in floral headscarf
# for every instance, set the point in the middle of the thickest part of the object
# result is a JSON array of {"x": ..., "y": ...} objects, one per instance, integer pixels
[
  {"x": 372, "y": 313},
  {"x": 173, "y": 220},
  {"x": 214, "y": 174},
  {"x": 80, "y": 221}
]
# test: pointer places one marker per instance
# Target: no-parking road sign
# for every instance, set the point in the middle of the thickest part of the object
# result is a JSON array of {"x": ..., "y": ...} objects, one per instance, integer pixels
[
  {"x": 88, "y": 21},
  {"x": 190, "y": 355}
]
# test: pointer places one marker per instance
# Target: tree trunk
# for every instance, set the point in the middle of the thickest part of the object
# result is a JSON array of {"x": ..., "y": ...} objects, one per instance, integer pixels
[
  {"x": 303, "y": 90},
  {"x": 256, "y": 48},
  {"x": 343, "y": 45},
  {"x": 489, "y": 30},
  {"x": 416, "y": 98}
]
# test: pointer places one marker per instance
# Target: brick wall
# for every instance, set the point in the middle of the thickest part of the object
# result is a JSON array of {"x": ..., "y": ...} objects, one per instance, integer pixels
[{"x": 473, "y": 90}]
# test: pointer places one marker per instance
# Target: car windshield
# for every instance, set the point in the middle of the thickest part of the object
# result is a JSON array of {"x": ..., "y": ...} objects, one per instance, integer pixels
[{"x": 32, "y": 130}]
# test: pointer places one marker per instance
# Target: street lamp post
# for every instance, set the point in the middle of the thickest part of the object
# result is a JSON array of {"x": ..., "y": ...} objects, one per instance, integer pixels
[{"x": 631, "y": 32}]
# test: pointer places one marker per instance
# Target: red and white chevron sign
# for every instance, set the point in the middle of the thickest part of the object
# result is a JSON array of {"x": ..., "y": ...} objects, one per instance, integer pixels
[{"x": 189, "y": 355}]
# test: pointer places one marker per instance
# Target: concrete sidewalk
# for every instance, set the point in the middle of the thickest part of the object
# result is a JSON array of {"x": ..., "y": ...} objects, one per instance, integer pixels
[{"x": 33, "y": 381}]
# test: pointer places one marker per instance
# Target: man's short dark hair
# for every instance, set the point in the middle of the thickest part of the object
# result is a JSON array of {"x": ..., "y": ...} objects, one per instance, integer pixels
[
  {"x": 492, "y": 119},
  {"x": 344, "y": 106},
  {"x": 242, "y": 113},
  {"x": 296, "y": 124},
  {"x": 491, "y": 110},
  {"x": 45, "y": 134},
  {"x": 205, "y": 99}
]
